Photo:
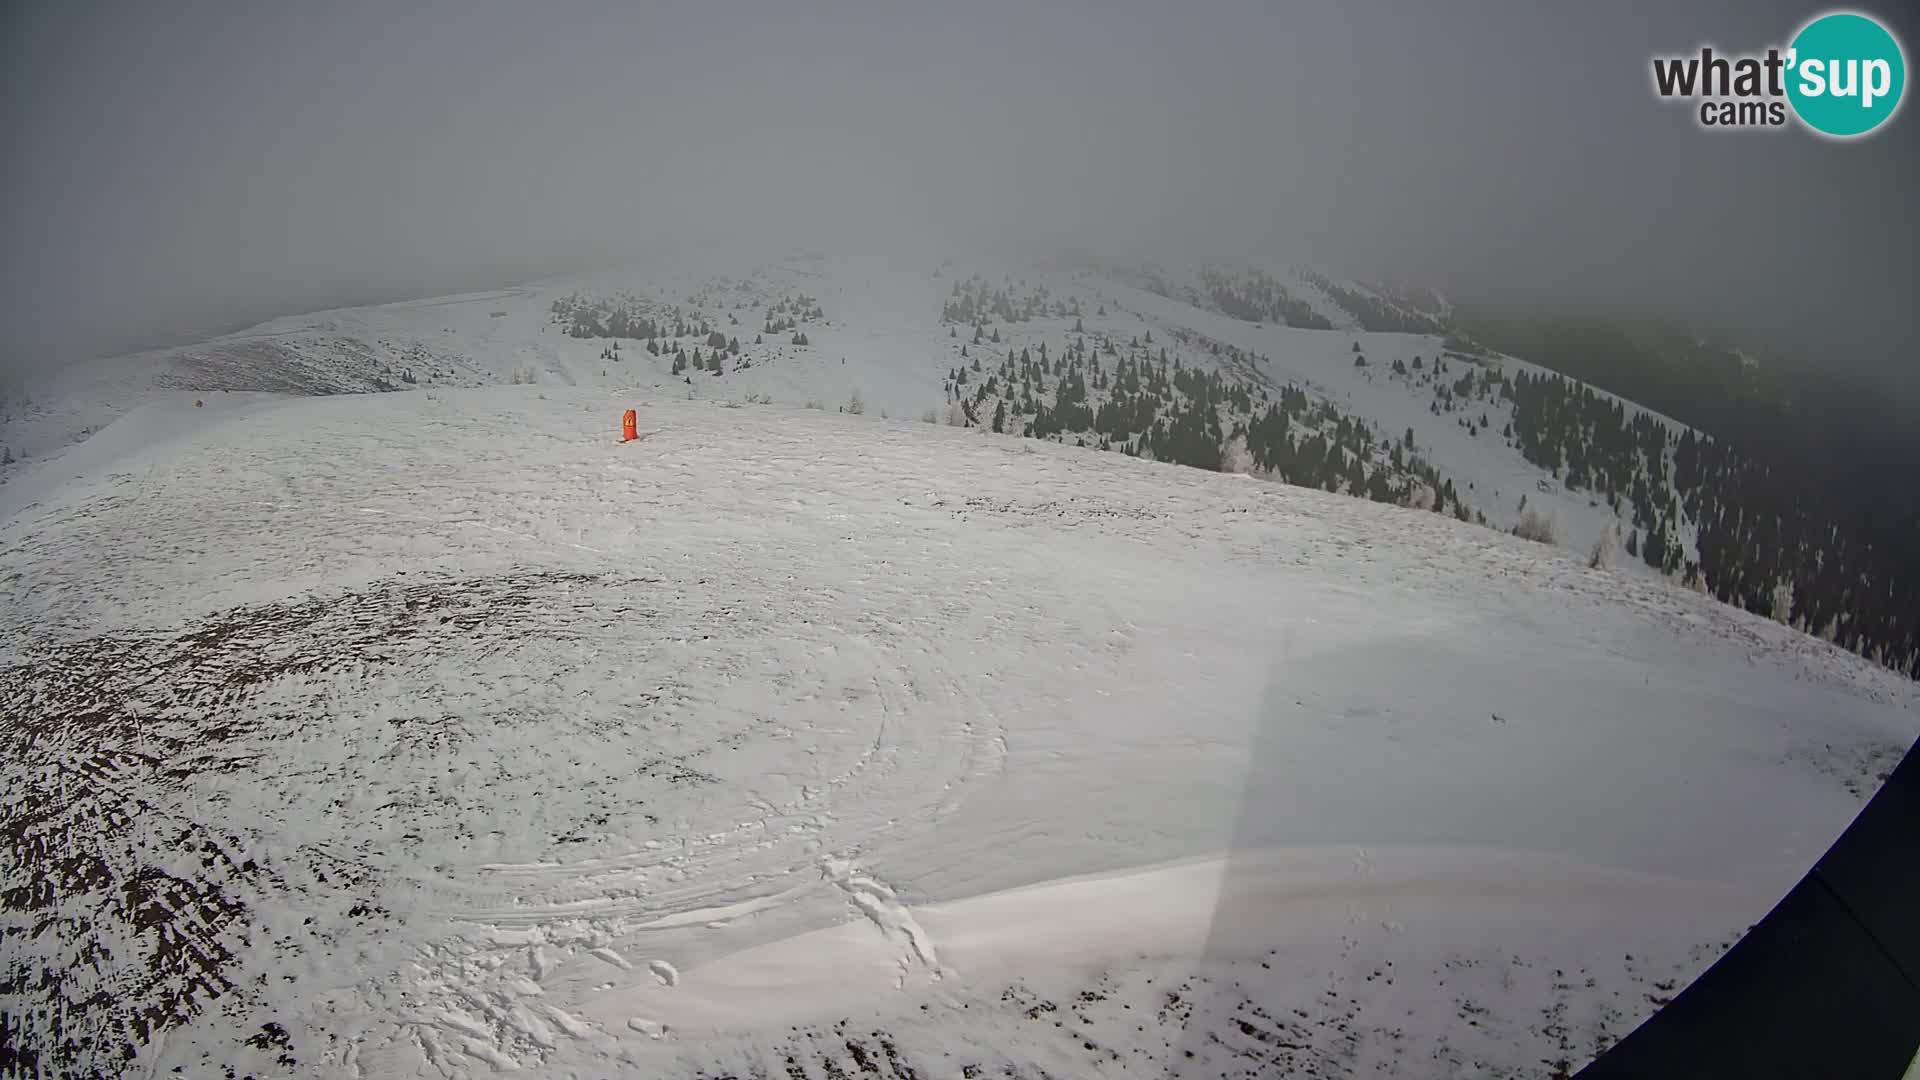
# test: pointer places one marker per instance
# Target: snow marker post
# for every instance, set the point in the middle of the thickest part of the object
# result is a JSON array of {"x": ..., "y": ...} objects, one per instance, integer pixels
[{"x": 630, "y": 426}]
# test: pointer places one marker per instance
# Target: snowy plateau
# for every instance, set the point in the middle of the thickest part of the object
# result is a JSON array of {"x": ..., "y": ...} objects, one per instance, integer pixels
[{"x": 436, "y": 732}]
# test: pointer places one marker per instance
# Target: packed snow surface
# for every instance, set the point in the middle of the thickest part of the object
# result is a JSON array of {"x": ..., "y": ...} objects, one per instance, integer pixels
[{"x": 442, "y": 734}]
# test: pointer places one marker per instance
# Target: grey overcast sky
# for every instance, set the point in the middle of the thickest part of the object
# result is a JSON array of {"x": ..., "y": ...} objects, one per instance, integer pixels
[{"x": 172, "y": 167}]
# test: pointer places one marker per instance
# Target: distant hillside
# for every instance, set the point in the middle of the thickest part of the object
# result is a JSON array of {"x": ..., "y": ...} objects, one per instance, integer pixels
[
  {"x": 1791, "y": 515},
  {"x": 1640, "y": 447}
]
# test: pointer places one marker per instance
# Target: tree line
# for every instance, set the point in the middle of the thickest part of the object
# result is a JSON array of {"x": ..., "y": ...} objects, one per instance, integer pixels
[
  {"x": 1141, "y": 401},
  {"x": 1764, "y": 542}
]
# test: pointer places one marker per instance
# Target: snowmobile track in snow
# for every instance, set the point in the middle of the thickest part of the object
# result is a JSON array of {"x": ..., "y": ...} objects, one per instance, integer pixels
[
  {"x": 161, "y": 788},
  {"x": 308, "y": 771}
]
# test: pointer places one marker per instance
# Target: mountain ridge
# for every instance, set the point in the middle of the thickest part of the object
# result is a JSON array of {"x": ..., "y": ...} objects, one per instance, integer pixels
[{"x": 1379, "y": 391}]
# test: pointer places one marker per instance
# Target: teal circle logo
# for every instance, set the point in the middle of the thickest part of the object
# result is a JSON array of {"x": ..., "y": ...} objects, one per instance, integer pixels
[{"x": 1846, "y": 74}]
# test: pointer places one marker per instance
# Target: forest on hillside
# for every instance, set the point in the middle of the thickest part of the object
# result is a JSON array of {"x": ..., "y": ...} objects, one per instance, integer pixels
[
  {"x": 1794, "y": 481},
  {"x": 1756, "y": 495},
  {"x": 1139, "y": 398}
]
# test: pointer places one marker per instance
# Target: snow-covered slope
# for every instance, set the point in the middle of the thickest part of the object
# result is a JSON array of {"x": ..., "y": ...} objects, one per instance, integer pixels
[
  {"x": 440, "y": 734},
  {"x": 877, "y": 334},
  {"x": 1491, "y": 476},
  {"x": 880, "y": 335}
]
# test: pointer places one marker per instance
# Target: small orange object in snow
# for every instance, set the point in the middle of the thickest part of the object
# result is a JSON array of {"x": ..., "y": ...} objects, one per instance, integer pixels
[{"x": 630, "y": 426}]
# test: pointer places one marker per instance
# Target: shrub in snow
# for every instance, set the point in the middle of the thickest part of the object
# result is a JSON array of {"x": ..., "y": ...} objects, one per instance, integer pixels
[
  {"x": 855, "y": 404},
  {"x": 1781, "y": 601},
  {"x": 1534, "y": 526},
  {"x": 1235, "y": 457}
]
